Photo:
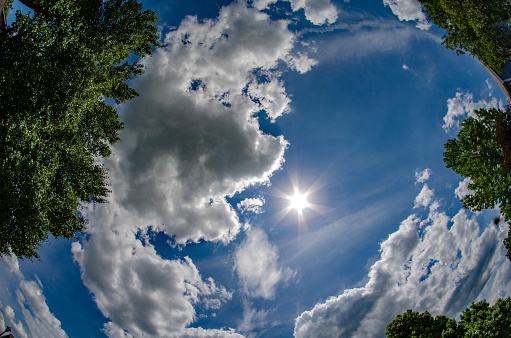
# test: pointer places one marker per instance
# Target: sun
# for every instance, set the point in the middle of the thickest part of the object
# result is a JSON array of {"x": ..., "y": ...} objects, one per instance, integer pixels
[{"x": 298, "y": 201}]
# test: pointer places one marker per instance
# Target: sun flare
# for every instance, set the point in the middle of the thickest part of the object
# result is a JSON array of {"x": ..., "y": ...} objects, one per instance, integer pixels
[{"x": 298, "y": 201}]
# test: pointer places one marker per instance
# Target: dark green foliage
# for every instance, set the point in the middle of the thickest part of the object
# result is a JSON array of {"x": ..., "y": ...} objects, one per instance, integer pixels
[
  {"x": 483, "y": 320},
  {"x": 57, "y": 67},
  {"x": 412, "y": 324},
  {"x": 479, "y": 320},
  {"x": 479, "y": 27},
  {"x": 477, "y": 154}
]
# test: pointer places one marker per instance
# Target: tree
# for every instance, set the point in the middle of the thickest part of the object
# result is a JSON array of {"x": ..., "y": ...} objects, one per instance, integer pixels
[
  {"x": 413, "y": 324},
  {"x": 57, "y": 68},
  {"x": 483, "y": 320},
  {"x": 479, "y": 27},
  {"x": 478, "y": 155},
  {"x": 478, "y": 320}
]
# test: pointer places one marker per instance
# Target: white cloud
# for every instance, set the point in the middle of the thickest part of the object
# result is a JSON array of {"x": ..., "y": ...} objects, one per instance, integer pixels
[
  {"x": 271, "y": 96},
  {"x": 138, "y": 290},
  {"x": 184, "y": 150},
  {"x": 408, "y": 10},
  {"x": 253, "y": 319},
  {"x": 442, "y": 268},
  {"x": 319, "y": 12},
  {"x": 368, "y": 37},
  {"x": 257, "y": 267},
  {"x": 423, "y": 176},
  {"x": 200, "y": 332},
  {"x": 9, "y": 315},
  {"x": 190, "y": 140},
  {"x": 462, "y": 189},
  {"x": 301, "y": 62},
  {"x": 463, "y": 105},
  {"x": 37, "y": 315},
  {"x": 424, "y": 198},
  {"x": 251, "y": 205},
  {"x": 37, "y": 319}
]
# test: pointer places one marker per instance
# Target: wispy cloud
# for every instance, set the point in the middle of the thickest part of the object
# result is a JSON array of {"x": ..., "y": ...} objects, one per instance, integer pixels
[
  {"x": 257, "y": 266},
  {"x": 37, "y": 320},
  {"x": 360, "y": 37}
]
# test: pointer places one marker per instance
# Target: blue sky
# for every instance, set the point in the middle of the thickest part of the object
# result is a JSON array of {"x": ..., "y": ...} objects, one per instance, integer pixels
[{"x": 244, "y": 103}]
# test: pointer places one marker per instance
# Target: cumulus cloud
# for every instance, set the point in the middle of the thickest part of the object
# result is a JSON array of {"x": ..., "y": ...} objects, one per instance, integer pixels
[
  {"x": 423, "y": 176},
  {"x": 251, "y": 205},
  {"x": 301, "y": 62},
  {"x": 135, "y": 288},
  {"x": 38, "y": 320},
  {"x": 463, "y": 105},
  {"x": 424, "y": 198},
  {"x": 408, "y": 10},
  {"x": 257, "y": 266},
  {"x": 437, "y": 263},
  {"x": 191, "y": 139},
  {"x": 462, "y": 190}
]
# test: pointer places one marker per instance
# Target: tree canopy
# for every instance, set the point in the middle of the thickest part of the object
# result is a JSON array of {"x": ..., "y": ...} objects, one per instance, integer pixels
[
  {"x": 57, "y": 68},
  {"x": 413, "y": 324},
  {"x": 477, "y": 154},
  {"x": 479, "y": 27},
  {"x": 478, "y": 320}
]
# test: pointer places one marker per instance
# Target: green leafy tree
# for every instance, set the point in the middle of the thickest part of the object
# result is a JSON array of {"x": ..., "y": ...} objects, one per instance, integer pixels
[
  {"x": 476, "y": 153},
  {"x": 483, "y": 320},
  {"x": 413, "y": 324},
  {"x": 57, "y": 67},
  {"x": 478, "y": 320},
  {"x": 479, "y": 27}
]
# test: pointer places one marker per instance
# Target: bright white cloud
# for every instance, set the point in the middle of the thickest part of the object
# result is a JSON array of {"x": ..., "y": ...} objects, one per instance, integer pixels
[
  {"x": 301, "y": 62},
  {"x": 463, "y": 105},
  {"x": 318, "y": 12},
  {"x": 408, "y": 10},
  {"x": 251, "y": 205},
  {"x": 257, "y": 266},
  {"x": 424, "y": 198},
  {"x": 438, "y": 263},
  {"x": 423, "y": 176},
  {"x": 138, "y": 290},
  {"x": 462, "y": 189}
]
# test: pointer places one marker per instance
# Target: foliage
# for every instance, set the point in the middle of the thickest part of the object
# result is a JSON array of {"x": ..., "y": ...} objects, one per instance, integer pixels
[
  {"x": 479, "y": 320},
  {"x": 57, "y": 67},
  {"x": 478, "y": 154},
  {"x": 479, "y": 27},
  {"x": 412, "y": 324}
]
